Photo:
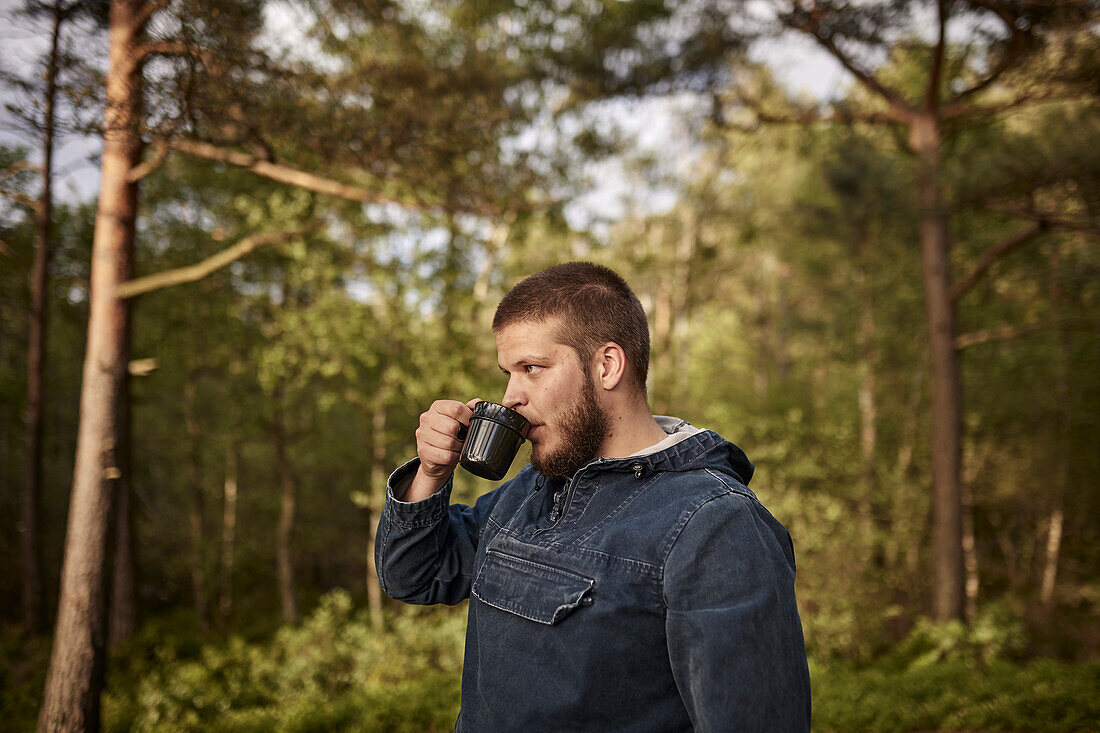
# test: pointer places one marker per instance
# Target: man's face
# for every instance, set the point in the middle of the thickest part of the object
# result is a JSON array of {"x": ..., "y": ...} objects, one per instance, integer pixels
[{"x": 548, "y": 385}]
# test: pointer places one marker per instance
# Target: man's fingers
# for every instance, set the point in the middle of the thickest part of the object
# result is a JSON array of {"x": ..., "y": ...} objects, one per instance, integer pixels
[
  {"x": 442, "y": 424},
  {"x": 452, "y": 408},
  {"x": 430, "y": 456},
  {"x": 429, "y": 436},
  {"x": 441, "y": 433},
  {"x": 447, "y": 415}
]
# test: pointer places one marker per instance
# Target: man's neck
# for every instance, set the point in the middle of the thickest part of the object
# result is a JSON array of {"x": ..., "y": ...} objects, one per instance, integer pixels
[{"x": 631, "y": 431}]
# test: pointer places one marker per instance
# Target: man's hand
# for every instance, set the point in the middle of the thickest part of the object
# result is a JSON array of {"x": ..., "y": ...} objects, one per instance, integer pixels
[{"x": 438, "y": 445}]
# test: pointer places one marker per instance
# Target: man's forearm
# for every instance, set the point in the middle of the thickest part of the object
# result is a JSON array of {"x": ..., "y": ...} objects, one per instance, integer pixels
[
  {"x": 409, "y": 546},
  {"x": 423, "y": 486},
  {"x": 425, "y": 548}
]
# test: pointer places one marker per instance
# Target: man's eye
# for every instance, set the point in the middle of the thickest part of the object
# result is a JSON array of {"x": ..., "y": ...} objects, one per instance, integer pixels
[{"x": 532, "y": 368}]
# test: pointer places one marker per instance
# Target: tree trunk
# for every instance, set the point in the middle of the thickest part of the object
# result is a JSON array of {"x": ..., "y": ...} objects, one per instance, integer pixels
[
  {"x": 660, "y": 366},
  {"x": 286, "y": 515},
  {"x": 778, "y": 326},
  {"x": 1013, "y": 566},
  {"x": 662, "y": 342},
  {"x": 229, "y": 533},
  {"x": 197, "y": 503},
  {"x": 868, "y": 405},
  {"x": 762, "y": 373},
  {"x": 868, "y": 408},
  {"x": 123, "y": 607},
  {"x": 1062, "y": 447},
  {"x": 970, "y": 553},
  {"x": 452, "y": 315},
  {"x": 77, "y": 663},
  {"x": 685, "y": 259},
  {"x": 123, "y": 614},
  {"x": 30, "y": 503},
  {"x": 377, "y": 499},
  {"x": 947, "y": 560},
  {"x": 973, "y": 465},
  {"x": 1050, "y": 565}
]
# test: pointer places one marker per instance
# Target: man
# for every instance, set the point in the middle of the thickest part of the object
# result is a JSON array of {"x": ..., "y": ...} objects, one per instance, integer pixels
[{"x": 626, "y": 579}]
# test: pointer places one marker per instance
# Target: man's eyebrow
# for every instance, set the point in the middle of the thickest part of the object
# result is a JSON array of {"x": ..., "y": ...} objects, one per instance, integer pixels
[{"x": 528, "y": 359}]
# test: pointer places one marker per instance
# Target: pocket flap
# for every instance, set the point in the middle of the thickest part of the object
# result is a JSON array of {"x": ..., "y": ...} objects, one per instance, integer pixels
[{"x": 530, "y": 589}]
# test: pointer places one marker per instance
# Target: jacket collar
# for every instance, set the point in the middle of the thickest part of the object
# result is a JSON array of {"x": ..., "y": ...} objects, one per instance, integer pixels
[{"x": 703, "y": 450}]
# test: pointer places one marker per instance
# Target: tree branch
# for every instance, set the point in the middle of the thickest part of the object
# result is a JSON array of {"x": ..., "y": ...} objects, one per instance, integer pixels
[
  {"x": 932, "y": 96},
  {"x": 146, "y": 13},
  {"x": 171, "y": 48},
  {"x": 837, "y": 115},
  {"x": 7, "y": 251},
  {"x": 845, "y": 117},
  {"x": 1007, "y": 333},
  {"x": 1033, "y": 96},
  {"x": 810, "y": 116},
  {"x": 801, "y": 21},
  {"x": 146, "y": 167},
  {"x": 292, "y": 176},
  {"x": 142, "y": 367},
  {"x": 191, "y": 273},
  {"x": 993, "y": 254},
  {"x": 19, "y": 166},
  {"x": 1083, "y": 227},
  {"x": 1018, "y": 42},
  {"x": 19, "y": 197}
]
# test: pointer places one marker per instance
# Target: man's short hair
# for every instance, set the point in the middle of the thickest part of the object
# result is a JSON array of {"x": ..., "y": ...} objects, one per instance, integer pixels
[{"x": 594, "y": 305}]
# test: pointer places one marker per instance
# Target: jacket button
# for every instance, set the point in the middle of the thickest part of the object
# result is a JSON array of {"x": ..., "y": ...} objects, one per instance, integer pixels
[
  {"x": 637, "y": 468},
  {"x": 586, "y": 601}
]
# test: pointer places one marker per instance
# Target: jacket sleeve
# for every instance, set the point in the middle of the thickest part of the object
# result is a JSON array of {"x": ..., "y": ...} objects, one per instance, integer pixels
[
  {"x": 424, "y": 550},
  {"x": 734, "y": 635}
]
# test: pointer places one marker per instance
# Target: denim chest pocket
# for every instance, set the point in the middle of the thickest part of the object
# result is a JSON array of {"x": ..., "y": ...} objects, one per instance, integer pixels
[{"x": 530, "y": 589}]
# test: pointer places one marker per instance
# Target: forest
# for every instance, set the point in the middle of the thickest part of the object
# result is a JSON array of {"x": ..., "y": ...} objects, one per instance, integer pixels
[{"x": 306, "y": 212}]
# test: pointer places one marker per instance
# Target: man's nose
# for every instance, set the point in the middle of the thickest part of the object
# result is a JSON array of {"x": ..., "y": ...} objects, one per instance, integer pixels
[{"x": 514, "y": 396}]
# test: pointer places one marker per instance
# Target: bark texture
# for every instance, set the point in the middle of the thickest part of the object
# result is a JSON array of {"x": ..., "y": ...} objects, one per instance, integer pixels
[
  {"x": 866, "y": 392},
  {"x": 947, "y": 557},
  {"x": 30, "y": 500},
  {"x": 377, "y": 498},
  {"x": 123, "y": 607},
  {"x": 77, "y": 662},
  {"x": 196, "y": 506},
  {"x": 286, "y": 515},
  {"x": 229, "y": 534},
  {"x": 1062, "y": 458}
]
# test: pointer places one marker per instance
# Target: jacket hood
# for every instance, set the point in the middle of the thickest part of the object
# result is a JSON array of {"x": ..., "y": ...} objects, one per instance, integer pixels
[{"x": 705, "y": 449}]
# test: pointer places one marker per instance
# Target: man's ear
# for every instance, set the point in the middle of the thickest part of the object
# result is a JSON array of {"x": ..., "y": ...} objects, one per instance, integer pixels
[{"x": 609, "y": 365}]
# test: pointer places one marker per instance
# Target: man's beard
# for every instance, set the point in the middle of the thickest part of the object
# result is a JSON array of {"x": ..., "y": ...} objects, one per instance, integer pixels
[{"x": 581, "y": 430}]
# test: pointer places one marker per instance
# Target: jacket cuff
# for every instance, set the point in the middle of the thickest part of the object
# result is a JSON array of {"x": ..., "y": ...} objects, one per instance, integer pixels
[{"x": 427, "y": 511}]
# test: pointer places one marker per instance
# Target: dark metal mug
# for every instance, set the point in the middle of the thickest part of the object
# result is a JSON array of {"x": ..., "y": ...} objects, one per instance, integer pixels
[{"x": 492, "y": 440}]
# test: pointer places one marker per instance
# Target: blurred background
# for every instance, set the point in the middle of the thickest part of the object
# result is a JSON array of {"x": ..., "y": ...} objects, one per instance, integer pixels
[{"x": 865, "y": 236}]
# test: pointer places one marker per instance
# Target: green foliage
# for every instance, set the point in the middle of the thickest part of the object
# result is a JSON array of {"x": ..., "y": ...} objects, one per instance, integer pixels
[
  {"x": 784, "y": 291},
  {"x": 994, "y": 635},
  {"x": 66, "y": 328},
  {"x": 335, "y": 673},
  {"x": 22, "y": 678},
  {"x": 332, "y": 672},
  {"x": 956, "y": 695}
]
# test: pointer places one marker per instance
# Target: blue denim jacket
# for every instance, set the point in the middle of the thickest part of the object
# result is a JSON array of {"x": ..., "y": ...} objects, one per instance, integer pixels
[{"x": 649, "y": 593}]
